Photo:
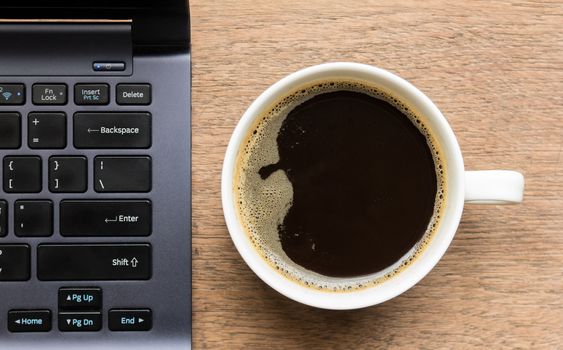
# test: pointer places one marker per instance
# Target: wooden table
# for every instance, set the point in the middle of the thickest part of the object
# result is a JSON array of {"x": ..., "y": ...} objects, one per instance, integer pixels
[{"x": 494, "y": 68}]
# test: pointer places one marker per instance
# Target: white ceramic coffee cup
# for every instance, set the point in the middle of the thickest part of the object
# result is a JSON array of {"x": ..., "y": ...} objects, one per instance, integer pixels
[{"x": 485, "y": 187}]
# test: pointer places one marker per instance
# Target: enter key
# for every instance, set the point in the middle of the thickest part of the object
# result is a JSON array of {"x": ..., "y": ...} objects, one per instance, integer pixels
[{"x": 109, "y": 218}]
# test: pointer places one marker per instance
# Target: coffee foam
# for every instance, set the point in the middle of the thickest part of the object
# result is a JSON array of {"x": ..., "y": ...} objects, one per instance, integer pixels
[{"x": 262, "y": 204}]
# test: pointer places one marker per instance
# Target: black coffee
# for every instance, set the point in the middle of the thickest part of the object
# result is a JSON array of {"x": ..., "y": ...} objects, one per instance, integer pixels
[{"x": 364, "y": 184}]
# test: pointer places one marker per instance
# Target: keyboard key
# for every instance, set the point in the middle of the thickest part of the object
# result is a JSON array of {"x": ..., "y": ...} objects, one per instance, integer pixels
[
  {"x": 10, "y": 130},
  {"x": 80, "y": 321},
  {"x": 130, "y": 320},
  {"x": 68, "y": 174},
  {"x": 80, "y": 298},
  {"x": 29, "y": 320},
  {"x": 15, "y": 262},
  {"x": 133, "y": 94},
  {"x": 91, "y": 94},
  {"x": 46, "y": 130},
  {"x": 105, "y": 218},
  {"x": 112, "y": 130},
  {"x": 12, "y": 94},
  {"x": 49, "y": 94},
  {"x": 22, "y": 174},
  {"x": 3, "y": 218},
  {"x": 94, "y": 262},
  {"x": 33, "y": 218},
  {"x": 122, "y": 174}
]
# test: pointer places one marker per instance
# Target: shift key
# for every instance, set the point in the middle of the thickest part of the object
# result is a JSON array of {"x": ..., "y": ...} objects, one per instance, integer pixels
[
  {"x": 112, "y": 130},
  {"x": 94, "y": 262},
  {"x": 15, "y": 262}
]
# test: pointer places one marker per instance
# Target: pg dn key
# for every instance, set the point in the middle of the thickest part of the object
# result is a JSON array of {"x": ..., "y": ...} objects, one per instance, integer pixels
[{"x": 80, "y": 321}]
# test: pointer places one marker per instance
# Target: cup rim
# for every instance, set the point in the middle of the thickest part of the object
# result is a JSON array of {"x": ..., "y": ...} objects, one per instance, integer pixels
[{"x": 405, "y": 279}]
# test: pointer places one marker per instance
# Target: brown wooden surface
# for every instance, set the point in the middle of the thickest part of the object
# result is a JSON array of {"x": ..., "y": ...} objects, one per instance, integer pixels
[{"x": 494, "y": 68}]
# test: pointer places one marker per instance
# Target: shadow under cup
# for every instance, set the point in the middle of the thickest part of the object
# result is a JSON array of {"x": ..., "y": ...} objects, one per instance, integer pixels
[{"x": 314, "y": 289}]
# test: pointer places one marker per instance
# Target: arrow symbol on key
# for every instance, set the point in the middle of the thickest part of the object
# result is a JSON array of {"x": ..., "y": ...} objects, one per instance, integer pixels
[
  {"x": 134, "y": 262},
  {"x": 141, "y": 320},
  {"x": 93, "y": 130},
  {"x": 67, "y": 321},
  {"x": 111, "y": 220},
  {"x": 18, "y": 321}
]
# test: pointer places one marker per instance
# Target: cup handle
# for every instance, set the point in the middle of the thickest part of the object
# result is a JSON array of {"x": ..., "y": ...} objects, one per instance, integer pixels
[{"x": 494, "y": 187}]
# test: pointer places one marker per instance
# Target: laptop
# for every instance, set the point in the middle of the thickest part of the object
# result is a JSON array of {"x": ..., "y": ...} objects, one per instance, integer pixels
[{"x": 95, "y": 143}]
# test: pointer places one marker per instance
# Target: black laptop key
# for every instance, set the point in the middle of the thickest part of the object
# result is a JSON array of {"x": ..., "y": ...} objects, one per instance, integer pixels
[
  {"x": 122, "y": 174},
  {"x": 68, "y": 174},
  {"x": 49, "y": 94},
  {"x": 33, "y": 218},
  {"x": 133, "y": 94},
  {"x": 130, "y": 320},
  {"x": 46, "y": 130},
  {"x": 80, "y": 321},
  {"x": 80, "y": 298},
  {"x": 22, "y": 174},
  {"x": 3, "y": 218},
  {"x": 15, "y": 262},
  {"x": 105, "y": 218},
  {"x": 29, "y": 320},
  {"x": 10, "y": 130},
  {"x": 94, "y": 262},
  {"x": 91, "y": 94},
  {"x": 12, "y": 94},
  {"x": 112, "y": 130}
]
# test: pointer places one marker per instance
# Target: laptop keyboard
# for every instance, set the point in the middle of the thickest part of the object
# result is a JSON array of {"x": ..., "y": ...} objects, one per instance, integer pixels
[{"x": 81, "y": 137}]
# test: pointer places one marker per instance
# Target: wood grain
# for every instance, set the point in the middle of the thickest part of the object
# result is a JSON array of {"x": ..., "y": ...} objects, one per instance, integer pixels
[{"x": 494, "y": 68}]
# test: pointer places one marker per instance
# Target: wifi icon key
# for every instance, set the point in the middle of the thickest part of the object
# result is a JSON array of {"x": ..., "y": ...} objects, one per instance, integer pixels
[{"x": 12, "y": 94}]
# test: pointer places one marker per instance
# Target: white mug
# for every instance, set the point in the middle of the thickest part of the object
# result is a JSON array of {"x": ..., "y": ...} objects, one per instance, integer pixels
[{"x": 486, "y": 187}]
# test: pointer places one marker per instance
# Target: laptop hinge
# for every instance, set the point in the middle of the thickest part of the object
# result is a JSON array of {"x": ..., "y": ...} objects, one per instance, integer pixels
[
  {"x": 49, "y": 48},
  {"x": 158, "y": 26}
]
